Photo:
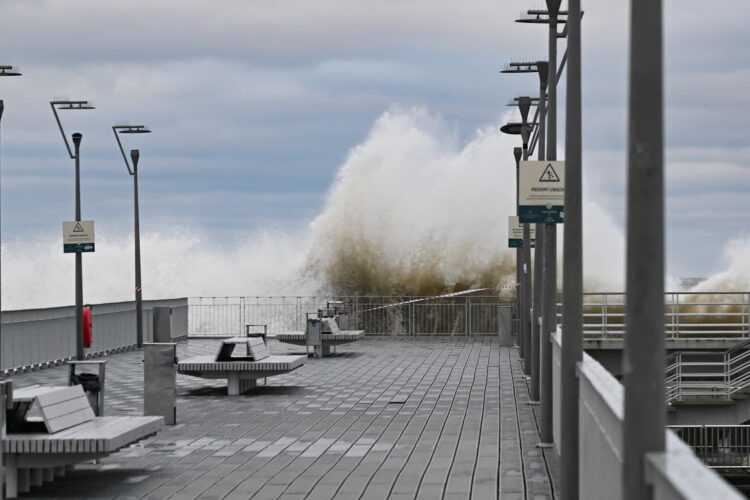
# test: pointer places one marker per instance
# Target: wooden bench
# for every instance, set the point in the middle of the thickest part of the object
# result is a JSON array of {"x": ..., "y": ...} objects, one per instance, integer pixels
[
  {"x": 322, "y": 334},
  {"x": 50, "y": 429},
  {"x": 241, "y": 369}
]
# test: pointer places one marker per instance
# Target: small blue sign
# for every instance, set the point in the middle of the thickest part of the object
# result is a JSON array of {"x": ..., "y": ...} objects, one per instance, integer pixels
[
  {"x": 518, "y": 243},
  {"x": 540, "y": 214},
  {"x": 78, "y": 247}
]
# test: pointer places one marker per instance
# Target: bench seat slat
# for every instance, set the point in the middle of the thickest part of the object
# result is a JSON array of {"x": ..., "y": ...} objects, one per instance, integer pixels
[{"x": 102, "y": 435}]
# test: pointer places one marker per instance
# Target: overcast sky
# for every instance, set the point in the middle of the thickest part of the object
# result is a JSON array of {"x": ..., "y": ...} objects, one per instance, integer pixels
[{"x": 254, "y": 104}]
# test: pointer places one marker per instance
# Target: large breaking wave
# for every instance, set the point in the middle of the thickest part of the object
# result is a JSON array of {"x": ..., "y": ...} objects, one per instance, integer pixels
[{"x": 413, "y": 210}]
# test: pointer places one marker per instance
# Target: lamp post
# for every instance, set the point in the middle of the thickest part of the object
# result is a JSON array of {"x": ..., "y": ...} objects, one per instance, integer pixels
[
  {"x": 549, "y": 300},
  {"x": 523, "y": 255},
  {"x": 643, "y": 364},
  {"x": 60, "y": 105},
  {"x": 134, "y": 156},
  {"x": 535, "y": 303},
  {"x": 524, "y": 105},
  {"x": 4, "y": 71},
  {"x": 572, "y": 329}
]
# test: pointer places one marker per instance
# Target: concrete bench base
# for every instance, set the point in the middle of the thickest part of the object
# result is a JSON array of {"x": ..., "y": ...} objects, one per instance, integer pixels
[
  {"x": 34, "y": 458},
  {"x": 328, "y": 340},
  {"x": 241, "y": 375}
]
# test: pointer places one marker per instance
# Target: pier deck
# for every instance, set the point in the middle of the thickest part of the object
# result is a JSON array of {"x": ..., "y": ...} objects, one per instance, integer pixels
[{"x": 388, "y": 417}]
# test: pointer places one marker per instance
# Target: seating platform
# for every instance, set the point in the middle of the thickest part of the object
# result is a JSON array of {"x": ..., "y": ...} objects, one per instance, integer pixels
[
  {"x": 241, "y": 371},
  {"x": 53, "y": 428},
  {"x": 322, "y": 334}
]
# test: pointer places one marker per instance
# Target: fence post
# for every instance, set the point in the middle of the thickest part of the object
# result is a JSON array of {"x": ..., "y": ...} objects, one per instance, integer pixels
[
  {"x": 728, "y": 374},
  {"x": 411, "y": 319},
  {"x": 468, "y": 316},
  {"x": 605, "y": 316}
]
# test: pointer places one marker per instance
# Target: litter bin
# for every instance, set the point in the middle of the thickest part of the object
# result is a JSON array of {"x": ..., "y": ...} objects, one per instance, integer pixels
[{"x": 160, "y": 381}]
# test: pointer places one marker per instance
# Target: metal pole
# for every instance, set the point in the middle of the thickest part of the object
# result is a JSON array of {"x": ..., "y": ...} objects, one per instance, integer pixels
[
  {"x": 524, "y": 104},
  {"x": 522, "y": 347},
  {"x": 572, "y": 329},
  {"x": 79, "y": 260},
  {"x": 643, "y": 362},
  {"x": 134, "y": 155},
  {"x": 542, "y": 69},
  {"x": 2, "y": 109},
  {"x": 549, "y": 299}
]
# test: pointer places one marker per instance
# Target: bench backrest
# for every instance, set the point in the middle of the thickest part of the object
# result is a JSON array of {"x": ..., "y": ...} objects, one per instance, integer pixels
[
  {"x": 60, "y": 407},
  {"x": 333, "y": 327},
  {"x": 258, "y": 348},
  {"x": 255, "y": 349}
]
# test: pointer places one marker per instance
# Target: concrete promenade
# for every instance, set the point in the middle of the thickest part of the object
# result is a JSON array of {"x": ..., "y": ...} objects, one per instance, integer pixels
[{"x": 387, "y": 417}]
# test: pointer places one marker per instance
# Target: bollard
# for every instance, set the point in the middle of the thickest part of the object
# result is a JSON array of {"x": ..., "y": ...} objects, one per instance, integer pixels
[
  {"x": 505, "y": 325},
  {"x": 162, "y": 324},
  {"x": 160, "y": 381}
]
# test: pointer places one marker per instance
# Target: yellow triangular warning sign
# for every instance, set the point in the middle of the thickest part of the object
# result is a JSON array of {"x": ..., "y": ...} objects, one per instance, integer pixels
[
  {"x": 78, "y": 228},
  {"x": 549, "y": 174}
]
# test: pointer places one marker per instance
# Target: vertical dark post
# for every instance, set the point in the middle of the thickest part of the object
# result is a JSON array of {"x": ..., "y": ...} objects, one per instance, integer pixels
[
  {"x": 2, "y": 108},
  {"x": 518, "y": 154},
  {"x": 572, "y": 329},
  {"x": 79, "y": 260},
  {"x": 643, "y": 363},
  {"x": 542, "y": 69},
  {"x": 524, "y": 105},
  {"x": 134, "y": 155},
  {"x": 549, "y": 299}
]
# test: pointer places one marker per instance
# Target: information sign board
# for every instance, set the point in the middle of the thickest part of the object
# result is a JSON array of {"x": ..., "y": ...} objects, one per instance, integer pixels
[
  {"x": 515, "y": 233},
  {"x": 541, "y": 192},
  {"x": 78, "y": 236}
]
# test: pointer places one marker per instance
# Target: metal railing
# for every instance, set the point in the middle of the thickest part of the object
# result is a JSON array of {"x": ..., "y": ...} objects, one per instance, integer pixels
[
  {"x": 688, "y": 315},
  {"x": 708, "y": 375},
  {"x": 464, "y": 315},
  {"x": 36, "y": 338},
  {"x": 718, "y": 446}
]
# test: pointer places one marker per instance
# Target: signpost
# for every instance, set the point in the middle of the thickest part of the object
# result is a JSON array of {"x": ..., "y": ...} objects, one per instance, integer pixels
[
  {"x": 541, "y": 197},
  {"x": 78, "y": 236},
  {"x": 515, "y": 233}
]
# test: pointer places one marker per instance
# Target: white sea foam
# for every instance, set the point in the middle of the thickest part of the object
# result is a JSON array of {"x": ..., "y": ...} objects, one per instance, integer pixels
[{"x": 412, "y": 210}]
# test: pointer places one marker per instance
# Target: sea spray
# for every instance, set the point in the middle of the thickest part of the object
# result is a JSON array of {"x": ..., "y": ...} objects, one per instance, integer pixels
[{"x": 413, "y": 210}]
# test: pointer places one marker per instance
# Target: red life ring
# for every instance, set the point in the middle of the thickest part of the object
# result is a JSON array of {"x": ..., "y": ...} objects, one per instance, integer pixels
[{"x": 88, "y": 329}]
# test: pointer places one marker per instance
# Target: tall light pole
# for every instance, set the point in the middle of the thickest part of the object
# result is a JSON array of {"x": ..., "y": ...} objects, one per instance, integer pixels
[
  {"x": 75, "y": 155},
  {"x": 572, "y": 320},
  {"x": 643, "y": 364},
  {"x": 134, "y": 156},
  {"x": 524, "y": 105},
  {"x": 523, "y": 255},
  {"x": 518, "y": 155},
  {"x": 535, "y": 303},
  {"x": 550, "y": 17},
  {"x": 4, "y": 71}
]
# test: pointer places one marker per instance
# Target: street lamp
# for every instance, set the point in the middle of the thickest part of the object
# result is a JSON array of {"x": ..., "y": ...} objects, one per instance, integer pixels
[
  {"x": 60, "y": 105},
  {"x": 541, "y": 68},
  {"x": 524, "y": 296},
  {"x": 549, "y": 303},
  {"x": 4, "y": 71},
  {"x": 572, "y": 321},
  {"x": 134, "y": 155}
]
